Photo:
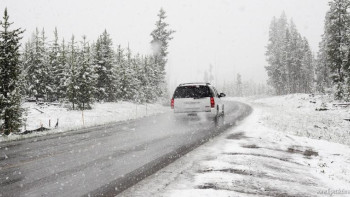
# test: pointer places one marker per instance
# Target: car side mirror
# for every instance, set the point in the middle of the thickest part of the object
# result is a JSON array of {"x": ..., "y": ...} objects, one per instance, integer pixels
[{"x": 222, "y": 95}]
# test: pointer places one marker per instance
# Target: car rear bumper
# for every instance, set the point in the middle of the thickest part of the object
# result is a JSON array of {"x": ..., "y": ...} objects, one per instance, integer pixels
[{"x": 211, "y": 113}]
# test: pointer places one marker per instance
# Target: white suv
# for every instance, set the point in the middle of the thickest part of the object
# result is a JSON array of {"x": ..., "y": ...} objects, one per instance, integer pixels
[{"x": 195, "y": 98}]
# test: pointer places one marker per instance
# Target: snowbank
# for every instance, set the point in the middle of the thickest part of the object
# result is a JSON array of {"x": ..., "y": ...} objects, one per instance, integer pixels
[
  {"x": 101, "y": 113},
  {"x": 296, "y": 114}
]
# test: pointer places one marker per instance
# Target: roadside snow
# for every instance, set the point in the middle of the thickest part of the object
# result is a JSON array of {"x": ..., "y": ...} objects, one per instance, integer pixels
[
  {"x": 254, "y": 158},
  {"x": 101, "y": 113},
  {"x": 296, "y": 114}
]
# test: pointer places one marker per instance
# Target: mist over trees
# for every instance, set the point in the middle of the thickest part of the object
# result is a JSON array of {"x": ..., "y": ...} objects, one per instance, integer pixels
[
  {"x": 237, "y": 86},
  {"x": 290, "y": 61},
  {"x": 240, "y": 87}
]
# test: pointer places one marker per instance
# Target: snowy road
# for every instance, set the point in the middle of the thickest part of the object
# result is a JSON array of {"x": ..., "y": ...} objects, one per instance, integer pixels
[
  {"x": 254, "y": 159},
  {"x": 106, "y": 159}
]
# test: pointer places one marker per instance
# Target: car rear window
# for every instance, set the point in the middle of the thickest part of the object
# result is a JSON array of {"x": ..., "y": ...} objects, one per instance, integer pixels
[{"x": 192, "y": 92}]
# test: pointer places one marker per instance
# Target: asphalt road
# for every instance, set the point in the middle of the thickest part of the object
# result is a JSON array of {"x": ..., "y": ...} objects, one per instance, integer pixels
[{"x": 104, "y": 160}]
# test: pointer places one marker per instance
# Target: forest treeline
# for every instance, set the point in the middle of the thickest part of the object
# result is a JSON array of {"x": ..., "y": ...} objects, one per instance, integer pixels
[
  {"x": 289, "y": 57},
  {"x": 77, "y": 71},
  {"x": 333, "y": 58},
  {"x": 292, "y": 68},
  {"x": 83, "y": 72}
]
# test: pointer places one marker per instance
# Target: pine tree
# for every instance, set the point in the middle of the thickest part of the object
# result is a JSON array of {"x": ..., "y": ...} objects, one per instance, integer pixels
[
  {"x": 57, "y": 69},
  {"x": 62, "y": 71},
  {"x": 104, "y": 65},
  {"x": 85, "y": 77},
  {"x": 273, "y": 58},
  {"x": 71, "y": 84},
  {"x": 290, "y": 60},
  {"x": 22, "y": 82},
  {"x": 128, "y": 80},
  {"x": 150, "y": 80},
  {"x": 276, "y": 69},
  {"x": 120, "y": 71},
  {"x": 137, "y": 87},
  {"x": 133, "y": 82},
  {"x": 10, "y": 98},
  {"x": 37, "y": 67},
  {"x": 160, "y": 41},
  {"x": 144, "y": 90},
  {"x": 293, "y": 50},
  {"x": 25, "y": 58},
  {"x": 337, "y": 44},
  {"x": 307, "y": 69},
  {"x": 322, "y": 69},
  {"x": 47, "y": 76}
]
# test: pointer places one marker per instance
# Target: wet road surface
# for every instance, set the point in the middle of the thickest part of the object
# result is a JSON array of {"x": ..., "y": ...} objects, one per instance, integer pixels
[{"x": 104, "y": 160}]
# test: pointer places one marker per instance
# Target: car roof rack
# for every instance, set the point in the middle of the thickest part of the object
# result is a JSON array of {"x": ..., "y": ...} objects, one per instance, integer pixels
[{"x": 195, "y": 83}]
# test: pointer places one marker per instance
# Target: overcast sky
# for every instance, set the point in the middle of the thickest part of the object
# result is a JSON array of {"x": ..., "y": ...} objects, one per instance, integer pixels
[{"x": 229, "y": 34}]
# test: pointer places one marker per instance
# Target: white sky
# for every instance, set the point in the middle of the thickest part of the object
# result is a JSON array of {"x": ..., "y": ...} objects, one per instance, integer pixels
[{"x": 229, "y": 34}]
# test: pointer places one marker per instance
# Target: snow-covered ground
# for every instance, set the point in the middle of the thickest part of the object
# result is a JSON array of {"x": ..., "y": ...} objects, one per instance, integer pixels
[
  {"x": 101, "y": 113},
  {"x": 263, "y": 156},
  {"x": 296, "y": 114}
]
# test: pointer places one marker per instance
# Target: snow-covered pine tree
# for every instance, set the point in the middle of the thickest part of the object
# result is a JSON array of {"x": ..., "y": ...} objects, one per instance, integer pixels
[
  {"x": 144, "y": 83},
  {"x": 298, "y": 72},
  {"x": 22, "y": 82},
  {"x": 25, "y": 57},
  {"x": 293, "y": 64},
  {"x": 139, "y": 95},
  {"x": 290, "y": 60},
  {"x": 307, "y": 69},
  {"x": 286, "y": 61},
  {"x": 100, "y": 94},
  {"x": 126, "y": 75},
  {"x": 131, "y": 76},
  {"x": 37, "y": 67},
  {"x": 31, "y": 68},
  {"x": 275, "y": 51},
  {"x": 10, "y": 98},
  {"x": 47, "y": 77},
  {"x": 71, "y": 84},
  {"x": 272, "y": 58},
  {"x": 161, "y": 36},
  {"x": 120, "y": 73},
  {"x": 62, "y": 71},
  {"x": 57, "y": 69},
  {"x": 150, "y": 83},
  {"x": 86, "y": 77},
  {"x": 337, "y": 42},
  {"x": 322, "y": 69},
  {"x": 104, "y": 65}
]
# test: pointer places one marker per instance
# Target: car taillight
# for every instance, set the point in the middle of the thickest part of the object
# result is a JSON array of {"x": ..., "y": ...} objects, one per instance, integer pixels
[
  {"x": 172, "y": 103},
  {"x": 212, "y": 102}
]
